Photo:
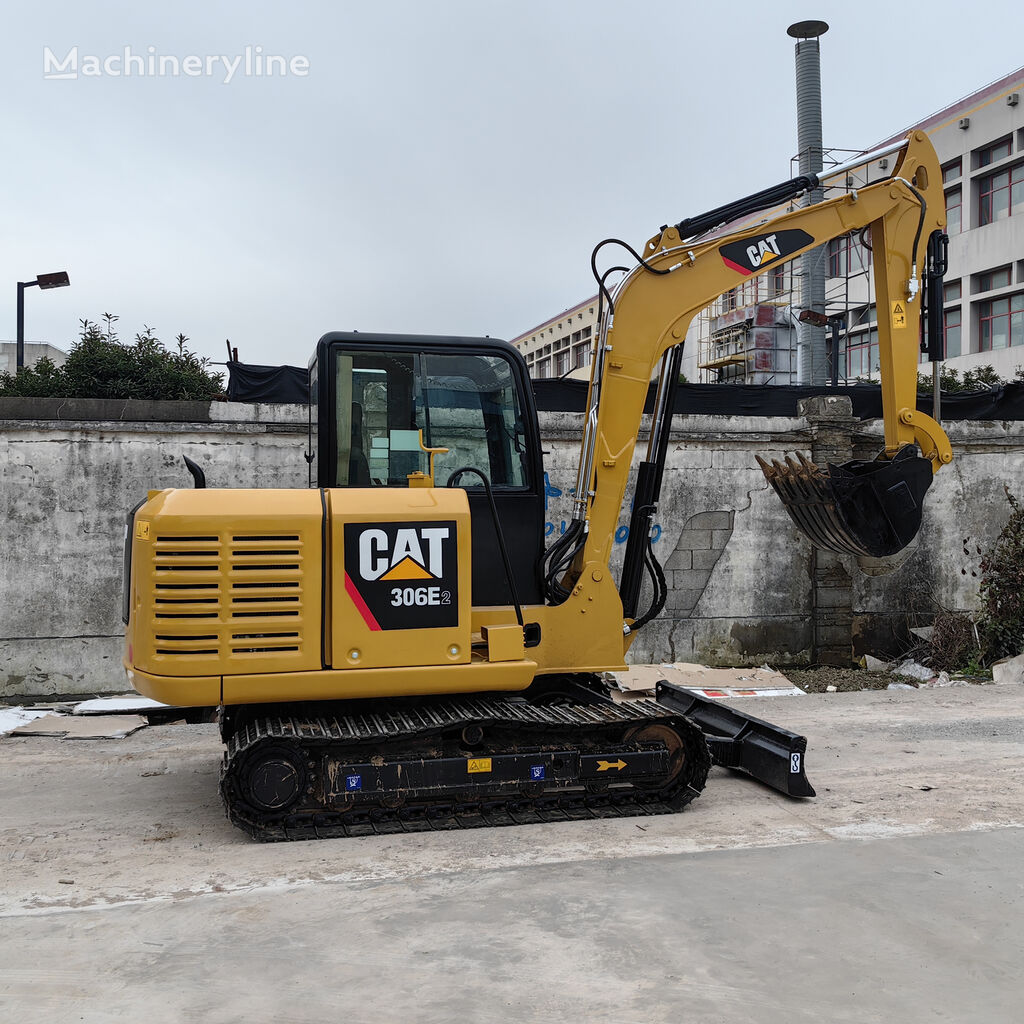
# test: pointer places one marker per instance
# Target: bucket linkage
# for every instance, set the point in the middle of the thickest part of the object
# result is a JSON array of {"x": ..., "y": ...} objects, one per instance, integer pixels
[{"x": 858, "y": 508}]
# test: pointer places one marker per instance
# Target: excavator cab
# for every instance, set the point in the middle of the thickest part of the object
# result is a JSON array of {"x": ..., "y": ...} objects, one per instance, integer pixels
[{"x": 382, "y": 402}]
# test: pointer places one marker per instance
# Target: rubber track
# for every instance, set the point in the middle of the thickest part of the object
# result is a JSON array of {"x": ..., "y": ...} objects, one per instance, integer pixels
[{"x": 376, "y": 731}]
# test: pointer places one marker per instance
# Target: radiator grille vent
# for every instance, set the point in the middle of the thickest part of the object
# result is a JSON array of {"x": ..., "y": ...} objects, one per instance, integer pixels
[
  {"x": 267, "y": 600},
  {"x": 221, "y": 597}
]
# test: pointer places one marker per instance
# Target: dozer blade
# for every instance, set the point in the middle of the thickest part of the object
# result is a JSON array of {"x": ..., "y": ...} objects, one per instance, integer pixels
[
  {"x": 768, "y": 753},
  {"x": 858, "y": 508}
]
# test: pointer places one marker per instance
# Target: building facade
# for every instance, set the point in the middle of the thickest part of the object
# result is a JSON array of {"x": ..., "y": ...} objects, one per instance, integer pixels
[
  {"x": 561, "y": 346},
  {"x": 980, "y": 145},
  {"x": 34, "y": 351},
  {"x": 750, "y": 334}
]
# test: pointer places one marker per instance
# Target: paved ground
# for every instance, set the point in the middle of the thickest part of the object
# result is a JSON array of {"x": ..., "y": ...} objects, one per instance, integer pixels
[{"x": 895, "y": 895}]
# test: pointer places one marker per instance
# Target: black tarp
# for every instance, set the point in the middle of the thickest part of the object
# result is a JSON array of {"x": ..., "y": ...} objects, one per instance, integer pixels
[
  {"x": 1002, "y": 403},
  {"x": 250, "y": 383}
]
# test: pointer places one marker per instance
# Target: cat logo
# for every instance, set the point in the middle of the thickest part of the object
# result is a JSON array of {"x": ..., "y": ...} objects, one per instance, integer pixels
[
  {"x": 751, "y": 254},
  {"x": 403, "y": 575},
  {"x": 763, "y": 250},
  {"x": 414, "y": 553}
]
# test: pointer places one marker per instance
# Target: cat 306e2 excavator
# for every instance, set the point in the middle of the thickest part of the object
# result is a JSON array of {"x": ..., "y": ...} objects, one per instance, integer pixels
[{"x": 393, "y": 649}]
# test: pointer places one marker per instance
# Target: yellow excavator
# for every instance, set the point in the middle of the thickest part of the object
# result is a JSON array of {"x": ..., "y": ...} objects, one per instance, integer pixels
[{"x": 393, "y": 649}]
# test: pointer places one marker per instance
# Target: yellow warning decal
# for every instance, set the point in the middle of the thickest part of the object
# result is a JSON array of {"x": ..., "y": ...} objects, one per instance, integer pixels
[
  {"x": 142, "y": 530},
  {"x": 899, "y": 315},
  {"x": 478, "y": 764},
  {"x": 407, "y": 569},
  {"x": 603, "y": 766}
]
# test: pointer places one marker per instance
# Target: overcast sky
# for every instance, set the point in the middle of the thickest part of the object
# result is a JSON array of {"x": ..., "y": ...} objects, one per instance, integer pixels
[{"x": 443, "y": 167}]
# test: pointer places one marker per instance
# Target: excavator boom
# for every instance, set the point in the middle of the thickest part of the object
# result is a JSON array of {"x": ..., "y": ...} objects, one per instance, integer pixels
[{"x": 862, "y": 508}]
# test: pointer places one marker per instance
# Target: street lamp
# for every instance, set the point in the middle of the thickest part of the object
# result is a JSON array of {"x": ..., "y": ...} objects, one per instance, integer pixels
[
  {"x": 835, "y": 321},
  {"x": 44, "y": 281}
]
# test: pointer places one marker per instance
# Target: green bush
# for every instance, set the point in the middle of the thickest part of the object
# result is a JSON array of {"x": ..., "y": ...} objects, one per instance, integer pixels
[
  {"x": 976, "y": 379},
  {"x": 1001, "y": 626},
  {"x": 100, "y": 366}
]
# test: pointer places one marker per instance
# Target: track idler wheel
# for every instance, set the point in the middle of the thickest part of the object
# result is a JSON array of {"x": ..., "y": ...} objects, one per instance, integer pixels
[
  {"x": 858, "y": 508},
  {"x": 271, "y": 778}
]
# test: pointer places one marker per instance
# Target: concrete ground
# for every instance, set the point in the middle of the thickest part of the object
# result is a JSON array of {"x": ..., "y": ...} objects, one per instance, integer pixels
[{"x": 895, "y": 895}]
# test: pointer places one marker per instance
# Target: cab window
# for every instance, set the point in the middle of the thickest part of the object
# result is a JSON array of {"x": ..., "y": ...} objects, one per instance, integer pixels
[{"x": 467, "y": 403}]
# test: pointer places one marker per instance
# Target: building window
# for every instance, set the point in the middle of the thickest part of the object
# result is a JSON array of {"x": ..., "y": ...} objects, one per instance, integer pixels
[
  {"x": 730, "y": 300},
  {"x": 562, "y": 365},
  {"x": 954, "y": 206},
  {"x": 951, "y": 291},
  {"x": 582, "y": 354},
  {"x": 544, "y": 368},
  {"x": 990, "y": 154},
  {"x": 847, "y": 255},
  {"x": 862, "y": 354},
  {"x": 1000, "y": 194},
  {"x": 838, "y": 256},
  {"x": 952, "y": 170},
  {"x": 994, "y": 279},
  {"x": 1001, "y": 323},
  {"x": 776, "y": 281},
  {"x": 951, "y": 321},
  {"x": 863, "y": 315}
]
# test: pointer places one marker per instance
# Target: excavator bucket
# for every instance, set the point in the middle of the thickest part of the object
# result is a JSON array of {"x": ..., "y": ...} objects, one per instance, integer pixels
[{"x": 858, "y": 508}]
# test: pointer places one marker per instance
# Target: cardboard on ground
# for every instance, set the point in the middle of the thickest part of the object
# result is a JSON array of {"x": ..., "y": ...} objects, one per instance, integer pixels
[
  {"x": 709, "y": 682},
  {"x": 87, "y": 728}
]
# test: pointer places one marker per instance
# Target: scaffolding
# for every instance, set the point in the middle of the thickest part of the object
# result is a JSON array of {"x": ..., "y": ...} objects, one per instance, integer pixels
[{"x": 749, "y": 335}]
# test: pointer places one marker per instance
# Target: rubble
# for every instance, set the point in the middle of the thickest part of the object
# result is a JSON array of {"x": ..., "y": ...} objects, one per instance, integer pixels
[
  {"x": 914, "y": 670},
  {"x": 1008, "y": 670}
]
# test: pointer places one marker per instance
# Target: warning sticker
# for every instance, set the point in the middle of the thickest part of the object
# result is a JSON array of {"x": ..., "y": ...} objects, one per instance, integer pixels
[
  {"x": 899, "y": 315},
  {"x": 142, "y": 529},
  {"x": 478, "y": 764}
]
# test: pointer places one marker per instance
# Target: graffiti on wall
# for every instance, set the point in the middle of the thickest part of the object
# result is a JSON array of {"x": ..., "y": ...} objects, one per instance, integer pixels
[{"x": 552, "y": 527}]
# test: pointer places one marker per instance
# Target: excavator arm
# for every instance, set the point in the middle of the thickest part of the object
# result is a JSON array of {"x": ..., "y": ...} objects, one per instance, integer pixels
[{"x": 861, "y": 508}]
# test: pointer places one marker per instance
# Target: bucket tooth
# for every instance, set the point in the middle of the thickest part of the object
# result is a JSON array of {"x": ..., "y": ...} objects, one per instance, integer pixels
[{"x": 811, "y": 468}]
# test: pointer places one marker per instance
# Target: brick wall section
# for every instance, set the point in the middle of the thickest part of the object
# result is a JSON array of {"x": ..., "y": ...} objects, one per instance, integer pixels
[
  {"x": 689, "y": 567},
  {"x": 831, "y": 421}
]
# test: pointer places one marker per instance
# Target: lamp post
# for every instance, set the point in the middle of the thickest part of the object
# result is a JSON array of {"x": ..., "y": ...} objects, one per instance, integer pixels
[
  {"x": 835, "y": 321},
  {"x": 44, "y": 281}
]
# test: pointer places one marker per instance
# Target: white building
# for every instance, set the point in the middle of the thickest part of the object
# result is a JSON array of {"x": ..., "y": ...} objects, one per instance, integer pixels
[
  {"x": 750, "y": 335},
  {"x": 560, "y": 347},
  {"x": 34, "y": 351}
]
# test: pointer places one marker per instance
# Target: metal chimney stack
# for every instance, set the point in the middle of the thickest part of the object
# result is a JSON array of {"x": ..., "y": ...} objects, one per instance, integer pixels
[{"x": 812, "y": 362}]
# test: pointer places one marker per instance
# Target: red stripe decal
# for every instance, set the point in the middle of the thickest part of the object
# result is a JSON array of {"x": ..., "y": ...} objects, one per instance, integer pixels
[
  {"x": 735, "y": 266},
  {"x": 357, "y": 600}
]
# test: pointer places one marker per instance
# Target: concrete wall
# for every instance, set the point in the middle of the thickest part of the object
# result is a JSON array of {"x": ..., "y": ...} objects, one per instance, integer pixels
[{"x": 745, "y": 587}]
